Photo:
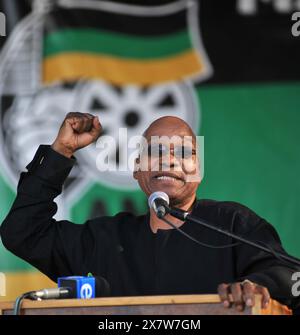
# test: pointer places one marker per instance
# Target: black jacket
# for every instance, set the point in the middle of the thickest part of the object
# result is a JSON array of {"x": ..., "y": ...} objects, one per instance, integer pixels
[{"x": 125, "y": 251}]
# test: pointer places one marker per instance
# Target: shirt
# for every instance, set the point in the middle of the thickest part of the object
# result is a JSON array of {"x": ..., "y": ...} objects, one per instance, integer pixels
[{"x": 124, "y": 250}]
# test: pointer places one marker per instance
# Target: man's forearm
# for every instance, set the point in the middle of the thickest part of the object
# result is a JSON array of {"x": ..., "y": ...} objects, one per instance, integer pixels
[{"x": 23, "y": 230}]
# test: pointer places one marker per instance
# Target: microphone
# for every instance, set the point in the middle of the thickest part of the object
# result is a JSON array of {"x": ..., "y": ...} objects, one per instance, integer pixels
[
  {"x": 78, "y": 287},
  {"x": 51, "y": 293},
  {"x": 159, "y": 202},
  {"x": 85, "y": 287}
]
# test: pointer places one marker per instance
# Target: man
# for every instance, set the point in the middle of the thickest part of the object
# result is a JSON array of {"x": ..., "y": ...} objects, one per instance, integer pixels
[{"x": 142, "y": 255}]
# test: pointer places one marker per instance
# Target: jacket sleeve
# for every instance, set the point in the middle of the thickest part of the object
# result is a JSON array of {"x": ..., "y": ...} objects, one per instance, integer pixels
[
  {"x": 29, "y": 231},
  {"x": 265, "y": 269}
]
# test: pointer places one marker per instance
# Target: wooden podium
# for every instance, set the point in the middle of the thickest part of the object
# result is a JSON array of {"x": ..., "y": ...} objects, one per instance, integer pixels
[{"x": 147, "y": 305}]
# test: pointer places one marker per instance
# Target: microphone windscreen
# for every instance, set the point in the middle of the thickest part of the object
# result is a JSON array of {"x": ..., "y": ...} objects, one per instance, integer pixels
[
  {"x": 102, "y": 287},
  {"x": 158, "y": 195}
]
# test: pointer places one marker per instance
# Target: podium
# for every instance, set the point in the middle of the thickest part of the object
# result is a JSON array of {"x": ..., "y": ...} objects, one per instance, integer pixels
[{"x": 142, "y": 305}]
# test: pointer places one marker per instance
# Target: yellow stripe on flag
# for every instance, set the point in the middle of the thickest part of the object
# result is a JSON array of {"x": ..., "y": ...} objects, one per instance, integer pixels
[{"x": 74, "y": 66}]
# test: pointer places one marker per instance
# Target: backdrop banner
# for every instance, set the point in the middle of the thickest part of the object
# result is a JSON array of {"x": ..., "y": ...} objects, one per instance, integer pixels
[{"x": 230, "y": 69}]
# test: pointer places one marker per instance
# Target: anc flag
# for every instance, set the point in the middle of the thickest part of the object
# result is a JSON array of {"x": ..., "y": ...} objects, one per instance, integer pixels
[{"x": 120, "y": 48}]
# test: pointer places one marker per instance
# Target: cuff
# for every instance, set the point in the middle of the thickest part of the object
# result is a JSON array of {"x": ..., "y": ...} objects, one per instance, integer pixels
[{"x": 50, "y": 166}]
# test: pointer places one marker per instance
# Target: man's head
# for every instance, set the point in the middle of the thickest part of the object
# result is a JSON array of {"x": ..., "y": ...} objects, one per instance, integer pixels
[{"x": 166, "y": 170}]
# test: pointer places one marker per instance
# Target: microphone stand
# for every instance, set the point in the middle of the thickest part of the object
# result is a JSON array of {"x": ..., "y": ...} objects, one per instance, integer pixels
[{"x": 185, "y": 216}]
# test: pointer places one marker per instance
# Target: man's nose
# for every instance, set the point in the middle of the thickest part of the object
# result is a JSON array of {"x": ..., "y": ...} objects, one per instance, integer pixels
[{"x": 170, "y": 162}]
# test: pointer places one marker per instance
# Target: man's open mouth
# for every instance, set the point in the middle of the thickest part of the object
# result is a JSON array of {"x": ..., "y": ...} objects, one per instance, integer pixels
[{"x": 168, "y": 177}]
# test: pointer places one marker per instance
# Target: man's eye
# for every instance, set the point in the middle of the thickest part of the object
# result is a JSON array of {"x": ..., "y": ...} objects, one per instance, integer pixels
[
  {"x": 180, "y": 152},
  {"x": 184, "y": 152},
  {"x": 156, "y": 150}
]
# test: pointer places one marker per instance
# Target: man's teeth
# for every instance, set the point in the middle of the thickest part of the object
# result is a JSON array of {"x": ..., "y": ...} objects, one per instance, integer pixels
[{"x": 166, "y": 178}]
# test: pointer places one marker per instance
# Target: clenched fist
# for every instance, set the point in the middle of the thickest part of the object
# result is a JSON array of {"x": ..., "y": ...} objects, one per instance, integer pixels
[{"x": 77, "y": 131}]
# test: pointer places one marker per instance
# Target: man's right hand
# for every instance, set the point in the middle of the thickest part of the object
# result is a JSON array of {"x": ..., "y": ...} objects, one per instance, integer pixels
[{"x": 77, "y": 131}]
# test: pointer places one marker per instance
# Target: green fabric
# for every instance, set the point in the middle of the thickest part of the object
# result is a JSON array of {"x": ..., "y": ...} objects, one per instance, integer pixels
[
  {"x": 100, "y": 42},
  {"x": 252, "y": 156}
]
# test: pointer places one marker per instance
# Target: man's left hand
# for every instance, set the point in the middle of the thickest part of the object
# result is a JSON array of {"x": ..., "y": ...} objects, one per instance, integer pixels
[{"x": 243, "y": 294}]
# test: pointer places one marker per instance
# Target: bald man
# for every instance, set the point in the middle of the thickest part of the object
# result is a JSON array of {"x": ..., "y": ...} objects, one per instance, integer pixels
[{"x": 142, "y": 255}]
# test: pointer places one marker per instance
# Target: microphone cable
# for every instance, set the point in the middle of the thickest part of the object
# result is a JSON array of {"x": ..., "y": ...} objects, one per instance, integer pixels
[
  {"x": 197, "y": 241},
  {"x": 259, "y": 244},
  {"x": 19, "y": 300}
]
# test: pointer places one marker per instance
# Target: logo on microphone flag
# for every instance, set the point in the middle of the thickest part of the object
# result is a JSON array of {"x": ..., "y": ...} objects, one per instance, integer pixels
[{"x": 80, "y": 287}]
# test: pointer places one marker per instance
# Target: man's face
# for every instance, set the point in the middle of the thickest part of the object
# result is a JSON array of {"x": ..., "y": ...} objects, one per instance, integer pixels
[{"x": 169, "y": 163}]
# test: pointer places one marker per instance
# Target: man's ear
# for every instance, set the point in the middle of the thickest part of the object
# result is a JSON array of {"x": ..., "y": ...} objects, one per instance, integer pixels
[{"x": 136, "y": 167}]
